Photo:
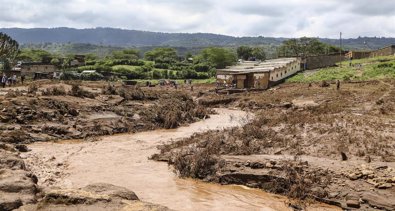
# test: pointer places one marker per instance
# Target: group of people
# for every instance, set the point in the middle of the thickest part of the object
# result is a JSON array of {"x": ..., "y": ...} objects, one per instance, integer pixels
[{"x": 12, "y": 80}]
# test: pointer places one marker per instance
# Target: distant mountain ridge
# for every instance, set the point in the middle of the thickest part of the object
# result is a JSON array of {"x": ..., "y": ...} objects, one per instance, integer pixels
[{"x": 133, "y": 38}]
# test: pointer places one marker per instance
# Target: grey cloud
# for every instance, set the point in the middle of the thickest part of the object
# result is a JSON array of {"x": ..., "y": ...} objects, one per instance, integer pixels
[
  {"x": 287, "y": 18},
  {"x": 374, "y": 7}
]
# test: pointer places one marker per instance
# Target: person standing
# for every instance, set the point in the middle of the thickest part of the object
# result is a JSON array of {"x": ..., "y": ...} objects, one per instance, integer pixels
[
  {"x": 4, "y": 80},
  {"x": 22, "y": 79},
  {"x": 14, "y": 79}
]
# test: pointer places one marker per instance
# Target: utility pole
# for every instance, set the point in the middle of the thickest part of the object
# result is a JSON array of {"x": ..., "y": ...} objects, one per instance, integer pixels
[{"x": 341, "y": 50}]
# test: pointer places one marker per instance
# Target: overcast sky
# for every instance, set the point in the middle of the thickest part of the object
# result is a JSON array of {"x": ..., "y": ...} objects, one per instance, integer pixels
[{"x": 279, "y": 18}]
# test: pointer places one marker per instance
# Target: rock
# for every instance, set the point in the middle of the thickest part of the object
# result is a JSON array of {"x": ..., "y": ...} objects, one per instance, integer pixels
[
  {"x": 384, "y": 185},
  {"x": 111, "y": 190},
  {"x": 269, "y": 165},
  {"x": 318, "y": 192},
  {"x": 136, "y": 117},
  {"x": 353, "y": 203},
  {"x": 9, "y": 203},
  {"x": 10, "y": 160},
  {"x": 368, "y": 159},
  {"x": 16, "y": 181},
  {"x": 73, "y": 112},
  {"x": 22, "y": 148},
  {"x": 98, "y": 197},
  {"x": 17, "y": 186},
  {"x": 366, "y": 172},
  {"x": 74, "y": 197},
  {"x": 354, "y": 176},
  {"x": 333, "y": 194},
  {"x": 379, "y": 201},
  {"x": 256, "y": 165},
  {"x": 344, "y": 156}
]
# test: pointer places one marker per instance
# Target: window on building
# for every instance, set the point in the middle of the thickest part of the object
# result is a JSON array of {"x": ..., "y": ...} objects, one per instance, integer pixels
[{"x": 276, "y": 75}]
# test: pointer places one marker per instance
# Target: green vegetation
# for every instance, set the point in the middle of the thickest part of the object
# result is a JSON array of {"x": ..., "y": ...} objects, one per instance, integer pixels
[
  {"x": 305, "y": 46},
  {"x": 217, "y": 57},
  {"x": 363, "y": 69},
  {"x": 8, "y": 51},
  {"x": 251, "y": 53},
  {"x": 159, "y": 63},
  {"x": 35, "y": 55}
]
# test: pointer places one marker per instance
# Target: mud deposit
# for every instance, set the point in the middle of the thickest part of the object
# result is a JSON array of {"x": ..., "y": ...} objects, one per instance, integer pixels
[
  {"x": 307, "y": 141},
  {"x": 123, "y": 160}
]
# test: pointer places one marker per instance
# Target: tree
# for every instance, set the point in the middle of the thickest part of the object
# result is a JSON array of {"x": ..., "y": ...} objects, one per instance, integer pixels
[
  {"x": 8, "y": 50},
  {"x": 129, "y": 54},
  {"x": 259, "y": 53},
  {"x": 244, "y": 52},
  {"x": 217, "y": 57},
  {"x": 34, "y": 55},
  {"x": 304, "y": 47},
  {"x": 162, "y": 55}
]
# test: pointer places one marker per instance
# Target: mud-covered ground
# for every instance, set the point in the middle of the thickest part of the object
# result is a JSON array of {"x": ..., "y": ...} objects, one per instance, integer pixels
[
  {"x": 50, "y": 111},
  {"x": 308, "y": 141},
  {"x": 71, "y": 111}
]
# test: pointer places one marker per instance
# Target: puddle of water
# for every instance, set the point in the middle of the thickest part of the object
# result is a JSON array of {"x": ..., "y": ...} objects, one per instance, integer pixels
[{"x": 123, "y": 160}]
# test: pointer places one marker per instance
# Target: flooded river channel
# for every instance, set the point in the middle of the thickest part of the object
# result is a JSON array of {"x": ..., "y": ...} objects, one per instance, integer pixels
[{"x": 122, "y": 160}]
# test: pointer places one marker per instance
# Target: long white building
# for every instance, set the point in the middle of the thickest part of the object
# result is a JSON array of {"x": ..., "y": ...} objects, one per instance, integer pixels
[{"x": 257, "y": 75}]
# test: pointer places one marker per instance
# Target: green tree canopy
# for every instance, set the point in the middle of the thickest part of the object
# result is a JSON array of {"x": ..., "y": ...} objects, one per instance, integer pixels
[
  {"x": 259, "y": 53},
  {"x": 129, "y": 54},
  {"x": 305, "y": 46},
  {"x": 162, "y": 55},
  {"x": 247, "y": 53},
  {"x": 8, "y": 50},
  {"x": 217, "y": 57},
  {"x": 244, "y": 52},
  {"x": 34, "y": 55}
]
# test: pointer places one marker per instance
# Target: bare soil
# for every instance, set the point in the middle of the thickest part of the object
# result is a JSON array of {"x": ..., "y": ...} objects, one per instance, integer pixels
[
  {"x": 306, "y": 142},
  {"x": 44, "y": 112},
  {"x": 49, "y": 111}
]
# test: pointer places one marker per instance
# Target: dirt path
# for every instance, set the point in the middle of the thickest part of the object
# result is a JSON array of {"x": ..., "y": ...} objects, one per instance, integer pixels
[{"x": 123, "y": 160}]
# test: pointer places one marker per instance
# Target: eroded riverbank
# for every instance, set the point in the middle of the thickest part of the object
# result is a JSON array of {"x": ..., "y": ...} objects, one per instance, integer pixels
[{"x": 123, "y": 160}]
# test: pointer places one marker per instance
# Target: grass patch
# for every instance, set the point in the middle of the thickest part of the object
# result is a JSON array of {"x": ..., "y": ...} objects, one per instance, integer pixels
[
  {"x": 128, "y": 67},
  {"x": 362, "y": 69}
]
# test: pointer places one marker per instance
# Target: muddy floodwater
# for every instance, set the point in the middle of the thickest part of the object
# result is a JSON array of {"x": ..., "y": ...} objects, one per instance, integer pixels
[{"x": 122, "y": 160}]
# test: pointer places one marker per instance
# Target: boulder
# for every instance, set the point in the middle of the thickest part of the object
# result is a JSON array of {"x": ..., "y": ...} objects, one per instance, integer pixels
[
  {"x": 379, "y": 201},
  {"x": 111, "y": 190},
  {"x": 98, "y": 197},
  {"x": 353, "y": 203}
]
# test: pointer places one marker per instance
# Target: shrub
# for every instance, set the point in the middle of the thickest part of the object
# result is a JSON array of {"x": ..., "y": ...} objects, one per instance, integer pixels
[
  {"x": 77, "y": 91},
  {"x": 92, "y": 76},
  {"x": 32, "y": 88},
  {"x": 56, "y": 90},
  {"x": 72, "y": 75}
]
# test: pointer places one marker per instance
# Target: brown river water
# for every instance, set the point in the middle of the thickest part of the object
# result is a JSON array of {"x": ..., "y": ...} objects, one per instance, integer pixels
[{"x": 123, "y": 160}]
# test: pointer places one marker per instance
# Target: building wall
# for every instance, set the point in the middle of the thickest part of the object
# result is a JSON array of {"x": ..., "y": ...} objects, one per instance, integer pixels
[
  {"x": 284, "y": 72},
  {"x": 387, "y": 51},
  {"x": 358, "y": 54},
  {"x": 315, "y": 62},
  {"x": 31, "y": 69},
  {"x": 261, "y": 80}
]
